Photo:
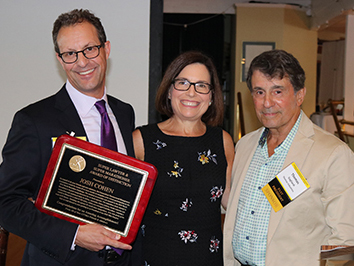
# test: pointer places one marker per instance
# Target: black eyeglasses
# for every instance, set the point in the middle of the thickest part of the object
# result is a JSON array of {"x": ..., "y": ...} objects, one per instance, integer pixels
[
  {"x": 89, "y": 52},
  {"x": 184, "y": 85}
]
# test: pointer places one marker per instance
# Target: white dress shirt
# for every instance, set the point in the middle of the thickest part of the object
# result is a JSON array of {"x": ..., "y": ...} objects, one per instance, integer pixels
[{"x": 91, "y": 118}]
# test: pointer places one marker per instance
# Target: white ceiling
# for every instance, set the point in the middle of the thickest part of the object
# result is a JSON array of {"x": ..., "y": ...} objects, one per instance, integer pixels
[
  {"x": 325, "y": 14},
  {"x": 220, "y": 6},
  {"x": 302, "y": 3}
]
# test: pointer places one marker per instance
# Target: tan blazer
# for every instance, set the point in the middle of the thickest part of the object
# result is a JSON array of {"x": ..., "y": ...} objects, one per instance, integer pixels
[{"x": 324, "y": 214}]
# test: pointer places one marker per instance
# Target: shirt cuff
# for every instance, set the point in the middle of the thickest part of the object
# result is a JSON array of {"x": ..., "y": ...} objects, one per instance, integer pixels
[{"x": 73, "y": 245}]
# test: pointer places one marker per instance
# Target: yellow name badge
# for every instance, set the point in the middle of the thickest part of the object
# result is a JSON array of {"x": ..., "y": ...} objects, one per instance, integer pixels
[
  {"x": 285, "y": 187},
  {"x": 54, "y": 139}
]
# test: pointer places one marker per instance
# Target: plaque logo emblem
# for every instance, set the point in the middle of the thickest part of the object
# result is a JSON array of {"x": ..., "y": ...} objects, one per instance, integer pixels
[{"x": 77, "y": 163}]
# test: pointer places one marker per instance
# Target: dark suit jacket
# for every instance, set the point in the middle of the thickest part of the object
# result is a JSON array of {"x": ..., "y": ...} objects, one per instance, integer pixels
[{"x": 25, "y": 157}]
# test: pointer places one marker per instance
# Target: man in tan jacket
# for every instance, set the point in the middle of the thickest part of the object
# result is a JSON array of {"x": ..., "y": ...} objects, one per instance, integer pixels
[{"x": 322, "y": 214}]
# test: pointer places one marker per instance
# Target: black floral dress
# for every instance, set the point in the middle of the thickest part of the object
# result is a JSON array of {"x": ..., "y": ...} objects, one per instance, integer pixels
[{"x": 182, "y": 223}]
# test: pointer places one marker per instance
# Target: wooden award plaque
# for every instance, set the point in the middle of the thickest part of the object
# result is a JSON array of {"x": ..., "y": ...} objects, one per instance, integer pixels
[{"x": 86, "y": 183}]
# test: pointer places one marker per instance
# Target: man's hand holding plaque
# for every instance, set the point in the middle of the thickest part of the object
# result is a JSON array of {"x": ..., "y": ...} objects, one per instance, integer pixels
[
  {"x": 95, "y": 237},
  {"x": 90, "y": 185}
]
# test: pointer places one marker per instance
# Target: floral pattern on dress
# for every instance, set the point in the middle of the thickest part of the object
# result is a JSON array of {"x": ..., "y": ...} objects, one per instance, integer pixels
[
  {"x": 159, "y": 144},
  {"x": 186, "y": 204},
  {"x": 206, "y": 156},
  {"x": 158, "y": 212},
  {"x": 177, "y": 172},
  {"x": 188, "y": 236},
  {"x": 216, "y": 193},
  {"x": 214, "y": 244},
  {"x": 177, "y": 205},
  {"x": 143, "y": 229}
]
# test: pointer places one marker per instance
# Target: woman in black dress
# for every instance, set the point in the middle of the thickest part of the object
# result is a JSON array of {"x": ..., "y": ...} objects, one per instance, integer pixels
[{"x": 182, "y": 223}]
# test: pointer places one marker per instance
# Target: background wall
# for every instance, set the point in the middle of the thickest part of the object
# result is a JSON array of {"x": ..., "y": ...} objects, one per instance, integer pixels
[
  {"x": 288, "y": 27},
  {"x": 29, "y": 70},
  {"x": 301, "y": 41}
]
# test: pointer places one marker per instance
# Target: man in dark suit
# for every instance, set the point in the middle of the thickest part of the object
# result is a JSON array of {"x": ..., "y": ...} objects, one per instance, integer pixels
[{"x": 82, "y": 50}]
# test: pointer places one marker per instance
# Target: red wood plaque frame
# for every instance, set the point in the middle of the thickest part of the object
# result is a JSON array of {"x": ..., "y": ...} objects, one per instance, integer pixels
[{"x": 86, "y": 183}]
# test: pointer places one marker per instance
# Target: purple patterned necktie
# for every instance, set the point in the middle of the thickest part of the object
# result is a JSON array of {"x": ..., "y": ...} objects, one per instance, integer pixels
[{"x": 108, "y": 138}]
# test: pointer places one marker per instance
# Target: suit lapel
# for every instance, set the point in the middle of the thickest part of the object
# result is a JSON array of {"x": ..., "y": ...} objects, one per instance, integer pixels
[
  {"x": 246, "y": 157},
  {"x": 297, "y": 153},
  {"x": 68, "y": 116},
  {"x": 123, "y": 123},
  {"x": 243, "y": 156}
]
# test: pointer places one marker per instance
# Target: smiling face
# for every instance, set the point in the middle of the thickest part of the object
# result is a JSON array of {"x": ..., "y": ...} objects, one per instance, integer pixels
[
  {"x": 277, "y": 105},
  {"x": 190, "y": 105},
  {"x": 86, "y": 75}
]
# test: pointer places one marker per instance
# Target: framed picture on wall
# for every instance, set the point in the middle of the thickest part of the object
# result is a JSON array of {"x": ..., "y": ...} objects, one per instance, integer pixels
[{"x": 249, "y": 51}]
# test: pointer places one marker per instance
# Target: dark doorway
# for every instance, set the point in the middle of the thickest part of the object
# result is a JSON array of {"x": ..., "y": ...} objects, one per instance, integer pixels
[
  {"x": 208, "y": 33},
  {"x": 184, "y": 32}
]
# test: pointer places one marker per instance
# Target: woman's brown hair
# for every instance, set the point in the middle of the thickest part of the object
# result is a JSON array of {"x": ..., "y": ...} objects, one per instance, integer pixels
[{"x": 215, "y": 113}]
